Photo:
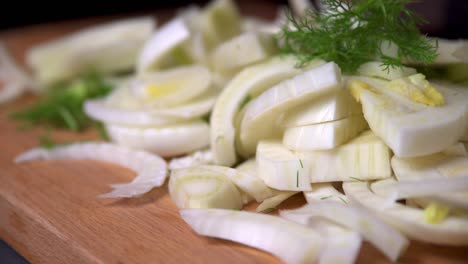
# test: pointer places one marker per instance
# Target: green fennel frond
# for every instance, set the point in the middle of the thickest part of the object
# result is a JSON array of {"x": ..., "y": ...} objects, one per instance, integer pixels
[{"x": 351, "y": 33}]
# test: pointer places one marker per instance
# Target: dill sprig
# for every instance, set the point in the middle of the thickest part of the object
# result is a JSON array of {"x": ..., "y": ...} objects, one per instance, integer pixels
[
  {"x": 351, "y": 33},
  {"x": 62, "y": 107}
]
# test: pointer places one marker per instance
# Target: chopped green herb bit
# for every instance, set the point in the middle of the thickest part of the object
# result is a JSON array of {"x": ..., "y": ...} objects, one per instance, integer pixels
[{"x": 62, "y": 107}]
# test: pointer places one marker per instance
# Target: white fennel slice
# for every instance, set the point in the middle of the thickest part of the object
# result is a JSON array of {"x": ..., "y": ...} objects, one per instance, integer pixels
[
  {"x": 198, "y": 187},
  {"x": 262, "y": 113},
  {"x": 281, "y": 168},
  {"x": 106, "y": 48},
  {"x": 324, "y": 192},
  {"x": 384, "y": 237},
  {"x": 248, "y": 83},
  {"x": 328, "y": 108},
  {"x": 197, "y": 158},
  {"x": 167, "y": 141},
  {"x": 151, "y": 169},
  {"x": 274, "y": 201},
  {"x": 451, "y": 51},
  {"x": 413, "y": 129},
  {"x": 172, "y": 87},
  {"x": 410, "y": 221},
  {"x": 125, "y": 112},
  {"x": 249, "y": 184},
  {"x": 161, "y": 43},
  {"x": 290, "y": 242},
  {"x": 364, "y": 158},
  {"x": 241, "y": 51},
  {"x": 218, "y": 22},
  {"x": 440, "y": 177},
  {"x": 249, "y": 168},
  {"x": 13, "y": 80},
  {"x": 325, "y": 135}
]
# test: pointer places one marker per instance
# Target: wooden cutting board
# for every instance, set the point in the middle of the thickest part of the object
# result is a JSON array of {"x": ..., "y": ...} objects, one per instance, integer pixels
[{"x": 49, "y": 211}]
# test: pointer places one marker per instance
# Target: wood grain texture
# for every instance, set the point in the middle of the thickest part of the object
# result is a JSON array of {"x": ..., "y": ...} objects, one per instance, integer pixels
[{"x": 49, "y": 211}]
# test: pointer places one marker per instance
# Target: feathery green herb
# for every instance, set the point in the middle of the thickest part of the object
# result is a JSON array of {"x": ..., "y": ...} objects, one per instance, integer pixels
[
  {"x": 351, "y": 33},
  {"x": 62, "y": 107}
]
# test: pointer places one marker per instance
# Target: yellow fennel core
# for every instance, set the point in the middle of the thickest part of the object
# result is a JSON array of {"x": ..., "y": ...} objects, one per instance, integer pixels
[
  {"x": 435, "y": 213},
  {"x": 161, "y": 89},
  {"x": 417, "y": 89},
  {"x": 356, "y": 87}
]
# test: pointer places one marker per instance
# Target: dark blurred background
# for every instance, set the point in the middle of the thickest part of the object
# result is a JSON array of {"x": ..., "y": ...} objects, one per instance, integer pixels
[{"x": 448, "y": 18}]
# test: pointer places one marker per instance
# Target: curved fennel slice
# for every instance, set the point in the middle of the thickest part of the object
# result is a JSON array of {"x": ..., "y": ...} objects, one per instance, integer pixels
[
  {"x": 452, "y": 51},
  {"x": 218, "y": 22},
  {"x": 262, "y": 113},
  {"x": 157, "y": 48},
  {"x": 106, "y": 48},
  {"x": 410, "y": 221},
  {"x": 123, "y": 110},
  {"x": 248, "y": 83},
  {"x": 348, "y": 243},
  {"x": 197, "y": 158},
  {"x": 291, "y": 242},
  {"x": 440, "y": 177},
  {"x": 387, "y": 239},
  {"x": 328, "y": 108},
  {"x": 151, "y": 169},
  {"x": 274, "y": 201},
  {"x": 13, "y": 80},
  {"x": 281, "y": 168},
  {"x": 172, "y": 87},
  {"x": 249, "y": 168},
  {"x": 325, "y": 135},
  {"x": 197, "y": 187},
  {"x": 167, "y": 141},
  {"x": 240, "y": 51},
  {"x": 249, "y": 184},
  {"x": 324, "y": 192},
  {"x": 409, "y": 128}
]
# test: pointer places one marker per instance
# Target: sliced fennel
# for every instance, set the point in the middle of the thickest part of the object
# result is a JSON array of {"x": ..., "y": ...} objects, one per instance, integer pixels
[
  {"x": 364, "y": 158},
  {"x": 328, "y": 108},
  {"x": 261, "y": 114},
  {"x": 291, "y": 242},
  {"x": 167, "y": 141},
  {"x": 172, "y": 87},
  {"x": 201, "y": 188},
  {"x": 197, "y": 158},
  {"x": 440, "y": 177},
  {"x": 249, "y": 168},
  {"x": 378, "y": 70},
  {"x": 281, "y": 168},
  {"x": 241, "y": 51},
  {"x": 324, "y": 192},
  {"x": 341, "y": 245},
  {"x": 13, "y": 80},
  {"x": 151, "y": 169},
  {"x": 218, "y": 22},
  {"x": 451, "y": 51},
  {"x": 106, "y": 48},
  {"x": 325, "y": 135},
  {"x": 248, "y": 83},
  {"x": 250, "y": 184},
  {"x": 411, "y": 129},
  {"x": 156, "y": 50},
  {"x": 123, "y": 111},
  {"x": 388, "y": 240},
  {"x": 410, "y": 221},
  {"x": 273, "y": 202}
]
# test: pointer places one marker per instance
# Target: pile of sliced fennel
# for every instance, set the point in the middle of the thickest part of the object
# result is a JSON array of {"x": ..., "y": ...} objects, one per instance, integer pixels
[{"x": 213, "y": 108}]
